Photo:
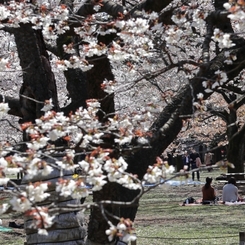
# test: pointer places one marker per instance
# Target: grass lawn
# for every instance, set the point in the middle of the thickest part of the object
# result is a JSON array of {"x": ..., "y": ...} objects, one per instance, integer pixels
[
  {"x": 15, "y": 236},
  {"x": 162, "y": 221}
]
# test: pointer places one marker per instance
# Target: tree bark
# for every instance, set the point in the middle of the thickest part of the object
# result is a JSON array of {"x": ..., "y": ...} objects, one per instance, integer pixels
[
  {"x": 96, "y": 76},
  {"x": 76, "y": 80},
  {"x": 235, "y": 152},
  {"x": 67, "y": 228},
  {"x": 236, "y": 146},
  {"x": 38, "y": 79},
  {"x": 39, "y": 85}
]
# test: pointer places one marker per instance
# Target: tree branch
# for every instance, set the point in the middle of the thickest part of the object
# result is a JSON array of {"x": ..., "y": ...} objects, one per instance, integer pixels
[
  {"x": 107, "y": 6},
  {"x": 169, "y": 123},
  {"x": 238, "y": 102},
  {"x": 14, "y": 105},
  {"x": 220, "y": 113},
  {"x": 114, "y": 9}
]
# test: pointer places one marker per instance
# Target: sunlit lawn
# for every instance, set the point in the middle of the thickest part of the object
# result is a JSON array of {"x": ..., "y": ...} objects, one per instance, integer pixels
[{"x": 162, "y": 221}]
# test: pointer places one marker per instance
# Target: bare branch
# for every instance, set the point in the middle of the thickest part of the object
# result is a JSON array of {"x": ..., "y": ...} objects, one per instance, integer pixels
[{"x": 108, "y": 7}]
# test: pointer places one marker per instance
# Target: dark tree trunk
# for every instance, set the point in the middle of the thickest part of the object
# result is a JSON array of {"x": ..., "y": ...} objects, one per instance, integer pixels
[
  {"x": 236, "y": 146},
  {"x": 235, "y": 153},
  {"x": 95, "y": 77},
  {"x": 38, "y": 79},
  {"x": 97, "y": 222},
  {"x": 39, "y": 85},
  {"x": 76, "y": 81}
]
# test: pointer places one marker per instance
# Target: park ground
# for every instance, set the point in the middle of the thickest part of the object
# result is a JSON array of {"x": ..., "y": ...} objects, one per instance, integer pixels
[{"x": 161, "y": 220}]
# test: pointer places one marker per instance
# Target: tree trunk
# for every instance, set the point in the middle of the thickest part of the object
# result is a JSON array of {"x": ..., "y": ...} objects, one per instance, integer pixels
[
  {"x": 39, "y": 85},
  {"x": 236, "y": 145},
  {"x": 38, "y": 79},
  {"x": 235, "y": 153},
  {"x": 76, "y": 81},
  {"x": 95, "y": 77},
  {"x": 68, "y": 225},
  {"x": 96, "y": 220}
]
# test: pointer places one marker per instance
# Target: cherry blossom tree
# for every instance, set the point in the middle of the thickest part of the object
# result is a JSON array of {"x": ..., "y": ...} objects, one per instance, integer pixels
[
  {"x": 134, "y": 72},
  {"x": 232, "y": 114}
]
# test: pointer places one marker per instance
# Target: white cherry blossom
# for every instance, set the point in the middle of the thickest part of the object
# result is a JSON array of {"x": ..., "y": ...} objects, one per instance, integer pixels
[
  {"x": 36, "y": 192},
  {"x": 20, "y": 204},
  {"x": 4, "y": 108}
]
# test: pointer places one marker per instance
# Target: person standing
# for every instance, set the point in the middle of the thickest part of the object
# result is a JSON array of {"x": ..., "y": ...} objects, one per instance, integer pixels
[
  {"x": 186, "y": 164},
  {"x": 208, "y": 160},
  {"x": 186, "y": 161},
  {"x": 195, "y": 162},
  {"x": 208, "y": 192}
]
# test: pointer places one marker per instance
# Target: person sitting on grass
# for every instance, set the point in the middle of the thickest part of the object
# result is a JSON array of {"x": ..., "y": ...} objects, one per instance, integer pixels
[
  {"x": 208, "y": 192},
  {"x": 230, "y": 192}
]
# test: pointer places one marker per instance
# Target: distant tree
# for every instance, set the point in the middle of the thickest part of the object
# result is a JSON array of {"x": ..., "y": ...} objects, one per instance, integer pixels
[{"x": 235, "y": 129}]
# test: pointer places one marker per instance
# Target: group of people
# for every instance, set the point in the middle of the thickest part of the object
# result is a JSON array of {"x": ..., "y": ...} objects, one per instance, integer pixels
[
  {"x": 229, "y": 192},
  {"x": 193, "y": 162}
]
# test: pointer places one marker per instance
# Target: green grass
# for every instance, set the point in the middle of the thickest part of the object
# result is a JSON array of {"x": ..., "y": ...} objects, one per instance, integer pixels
[
  {"x": 161, "y": 220},
  {"x": 11, "y": 239},
  {"x": 193, "y": 225}
]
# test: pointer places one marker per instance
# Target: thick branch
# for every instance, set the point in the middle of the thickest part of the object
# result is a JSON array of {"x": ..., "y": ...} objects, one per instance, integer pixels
[
  {"x": 150, "y": 6},
  {"x": 38, "y": 79},
  {"x": 228, "y": 97},
  {"x": 223, "y": 114},
  {"x": 14, "y": 105},
  {"x": 238, "y": 102},
  {"x": 169, "y": 123},
  {"x": 114, "y": 9},
  {"x": 108, "y": 7},
  {"x": 234, "y": 89}
]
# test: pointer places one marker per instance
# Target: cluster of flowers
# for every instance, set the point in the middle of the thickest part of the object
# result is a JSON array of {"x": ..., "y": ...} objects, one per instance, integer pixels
[
  {"x": 83, "y": 130},
  {"x": 223, "y": 39},
  {"x": 124, "y": 230},
  {"x": 219, "y": 80},
  {"x": 237, "y": 13},
  {"x": 237, "y": 10}
]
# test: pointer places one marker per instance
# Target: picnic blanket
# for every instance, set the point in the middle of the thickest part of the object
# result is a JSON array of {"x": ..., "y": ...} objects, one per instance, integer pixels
[
  {"x": 176, "y": 182},
  {"x": 234, "y": 203},
  {"x": 199, "y": 202},
  {"x": 7, "y": 188},
  {"x": 5, "y": 229}
]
